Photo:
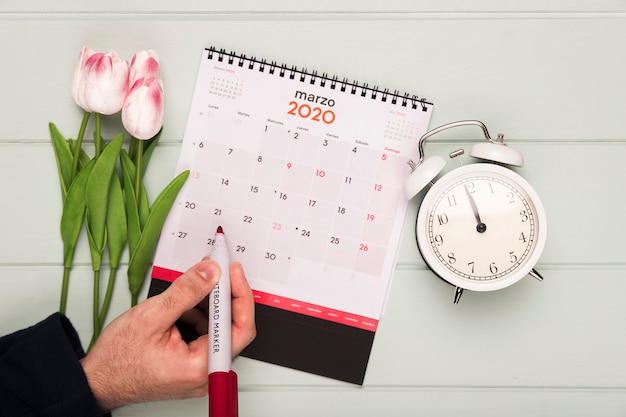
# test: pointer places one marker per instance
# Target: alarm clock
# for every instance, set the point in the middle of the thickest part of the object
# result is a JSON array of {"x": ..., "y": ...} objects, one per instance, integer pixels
[{"x": 481, "y": 226}]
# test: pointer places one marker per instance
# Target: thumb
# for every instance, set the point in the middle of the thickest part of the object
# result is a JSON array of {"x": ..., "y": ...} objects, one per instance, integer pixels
[{"x": 186, "y": 292}]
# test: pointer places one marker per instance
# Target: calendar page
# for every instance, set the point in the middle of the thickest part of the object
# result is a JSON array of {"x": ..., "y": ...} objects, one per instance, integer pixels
[{"x": 305, "y": 175}]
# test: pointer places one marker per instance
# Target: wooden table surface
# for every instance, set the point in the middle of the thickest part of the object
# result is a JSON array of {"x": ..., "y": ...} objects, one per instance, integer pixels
[{"x": 550, "y": 75}]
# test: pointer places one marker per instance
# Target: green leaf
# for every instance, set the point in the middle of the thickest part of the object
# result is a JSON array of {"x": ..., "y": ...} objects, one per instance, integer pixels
[
  {"x": 148, "y": 149},
  {"x": 144, "y": 206},
  {"x": 132, "y": 214},
  {"x": 98, "y": 186},
  {"x": 63, "y": 156},
  {"x": 141, "y": 257},
  {"x": 74, "y": 213},
  {"x": 116, "y": 222},
  {"x": 96, "y": 253}
]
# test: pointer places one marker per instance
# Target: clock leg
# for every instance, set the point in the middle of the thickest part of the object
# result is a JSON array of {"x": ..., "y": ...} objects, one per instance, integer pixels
[
  {"x": 533, "y": 273},
  {"x": 457, "y": 294}
]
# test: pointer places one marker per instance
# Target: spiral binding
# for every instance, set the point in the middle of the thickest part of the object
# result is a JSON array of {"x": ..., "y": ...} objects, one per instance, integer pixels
[{"x": 345, "y": 85}]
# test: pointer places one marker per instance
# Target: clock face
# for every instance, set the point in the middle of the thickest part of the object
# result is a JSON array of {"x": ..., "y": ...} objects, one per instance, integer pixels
[{"x": 481, "y": 227}]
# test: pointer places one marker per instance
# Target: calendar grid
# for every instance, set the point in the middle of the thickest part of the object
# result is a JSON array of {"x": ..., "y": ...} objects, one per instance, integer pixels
[{"x": 306, "y": 180}]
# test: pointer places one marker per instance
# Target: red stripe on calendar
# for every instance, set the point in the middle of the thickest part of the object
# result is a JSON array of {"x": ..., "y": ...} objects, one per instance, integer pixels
[
  {"x": 165, "y": 274},
  {"x": 289, "y": 304},
  {"x": 314, "y": 310}
]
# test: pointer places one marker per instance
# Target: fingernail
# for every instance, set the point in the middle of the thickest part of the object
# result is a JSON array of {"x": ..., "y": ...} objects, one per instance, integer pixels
[{"x": 202, "y": 273}]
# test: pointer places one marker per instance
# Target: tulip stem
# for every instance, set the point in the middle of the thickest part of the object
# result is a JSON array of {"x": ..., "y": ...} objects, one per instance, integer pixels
[
  {"x": 98, "y": 136},
  {"x": 96, "y": 305},
  {"x": 79, "y": 144},
  {"x": 138, "y": 164},
  {"x": 108, "y": 296},
  {"x": 64, "y": 290}
]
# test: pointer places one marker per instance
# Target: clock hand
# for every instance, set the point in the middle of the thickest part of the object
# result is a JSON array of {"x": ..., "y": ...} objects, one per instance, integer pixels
[{"x": 480, "y": 226}]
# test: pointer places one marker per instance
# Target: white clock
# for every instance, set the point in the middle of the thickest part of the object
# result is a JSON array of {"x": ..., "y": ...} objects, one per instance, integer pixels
[{"x": 480, "y": 227}]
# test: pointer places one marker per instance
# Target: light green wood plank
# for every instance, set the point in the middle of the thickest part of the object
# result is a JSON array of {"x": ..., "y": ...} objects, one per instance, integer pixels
[
  {"x": 406, "y": 402},
  {"x": 350, "y": 6}
]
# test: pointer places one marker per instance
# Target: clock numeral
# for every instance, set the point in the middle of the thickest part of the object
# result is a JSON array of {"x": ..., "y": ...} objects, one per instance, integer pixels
[
  {"x": 451, "y": 258},
  {"x": 493, "y": 268},
  {"x": 451, "y": 200},
  {"x": 470, "y": 187},
  {"x": 438, "y": 240},
  {"x": 524, "y": 215},
  {"x": 442, "y": 218},
  {"x": 471, "y": 266},
  {"x": 511, "y": 196},
  {"x": 522, "y": 237},
  {"x": 513, "y": 257}
]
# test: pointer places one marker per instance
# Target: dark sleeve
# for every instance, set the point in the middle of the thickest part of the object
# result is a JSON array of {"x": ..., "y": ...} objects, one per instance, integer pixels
[{"x": 40, "y": 372}]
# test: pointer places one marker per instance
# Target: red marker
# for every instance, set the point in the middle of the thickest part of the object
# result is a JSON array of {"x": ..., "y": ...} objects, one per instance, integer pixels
[{"x": 222, "y": 379}]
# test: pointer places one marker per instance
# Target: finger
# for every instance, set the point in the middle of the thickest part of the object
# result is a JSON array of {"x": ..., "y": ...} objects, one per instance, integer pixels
[
  {"x": 185, "y": 292},
  {"x": 244, "y": 328},
  {"x": 204, "y": 306},
  {"x": 240, "y": 288},
  {"x": 242, "y": 296},
  {"x": 197, "y": 319}
]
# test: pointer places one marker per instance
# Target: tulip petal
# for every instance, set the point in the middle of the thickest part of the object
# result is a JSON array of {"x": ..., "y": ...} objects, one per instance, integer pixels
[
  {"x": 142, "y": 114},
  {"x": 145, "y": 64},
  {"x": 84, "y": 55}
]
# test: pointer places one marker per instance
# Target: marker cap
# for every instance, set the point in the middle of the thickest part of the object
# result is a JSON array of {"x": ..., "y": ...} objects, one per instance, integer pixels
[{"x": 223, "y": 401}]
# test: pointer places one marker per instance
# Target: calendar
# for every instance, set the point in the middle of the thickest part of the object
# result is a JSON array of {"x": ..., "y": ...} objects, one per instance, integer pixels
[{"x": 305, "y": 175}]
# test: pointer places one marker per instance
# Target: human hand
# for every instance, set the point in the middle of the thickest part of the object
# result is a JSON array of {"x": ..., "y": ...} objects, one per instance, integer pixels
[
  {"x": 141, "y": 355},
  {"x": 242, "y": 315}
]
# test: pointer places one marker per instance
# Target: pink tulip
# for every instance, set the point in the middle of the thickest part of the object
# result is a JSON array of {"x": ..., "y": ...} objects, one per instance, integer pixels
[
  {"x": 100, "y": 81},
  {"x": 142, "y": 113}
]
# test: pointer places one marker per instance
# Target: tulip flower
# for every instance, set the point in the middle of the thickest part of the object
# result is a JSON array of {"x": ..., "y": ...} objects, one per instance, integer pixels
[
  {"x": 142, "y": 113},
  {"x": 100, "y": 81}
]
